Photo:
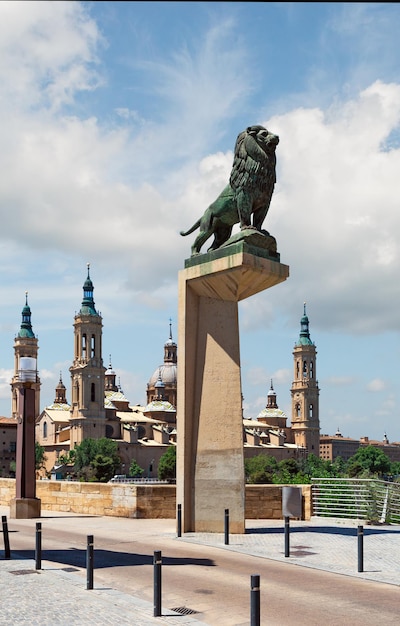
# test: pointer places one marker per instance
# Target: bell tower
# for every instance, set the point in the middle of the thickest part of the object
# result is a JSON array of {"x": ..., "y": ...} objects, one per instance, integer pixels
[
  {"x": 87, "y": 371},
  {"x": 25, "y": 345},
  {"x": 305, "y": 392}
]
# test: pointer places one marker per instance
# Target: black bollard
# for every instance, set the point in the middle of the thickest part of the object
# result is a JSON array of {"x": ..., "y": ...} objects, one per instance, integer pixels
[
  {"x": 179, "y": 520},
  {"x": 89, "y": 562},
  {"x": 226, "y": 526},
  {"x": 38, "y": 551},
  {"x": 7, "y": 554},
  {"x": 255, "y": 600},
  {"x": 157, "y": 583},
  {"x": 360, "y": 542},
  {"x": 287, "y": 536}
]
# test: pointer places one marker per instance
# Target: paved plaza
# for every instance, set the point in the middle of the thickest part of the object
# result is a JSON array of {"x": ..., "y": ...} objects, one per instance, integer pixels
[
  {"x": 329, "y": 545},
  {"x": 48, "y": 596}
]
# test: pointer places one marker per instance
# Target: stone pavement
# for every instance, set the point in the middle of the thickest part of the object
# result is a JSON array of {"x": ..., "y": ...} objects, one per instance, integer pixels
[
  {"x": 53, "y": 595},
  {"x": 323, "y": 544}
]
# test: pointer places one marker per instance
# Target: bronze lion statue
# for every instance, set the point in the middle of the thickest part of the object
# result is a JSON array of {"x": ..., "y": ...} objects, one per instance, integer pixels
[{"x": 248, "y": 193}]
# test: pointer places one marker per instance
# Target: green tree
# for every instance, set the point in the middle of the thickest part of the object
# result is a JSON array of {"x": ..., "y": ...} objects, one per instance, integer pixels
[
  {"x": 287, "y": 472},
  {"x": 315, "y": 467},
  {"x": 40, "y": 457},
  {"x": 135, "y": 470},
  {"x": 368, "y": 461},
  {"x": 167, "y": 464},
  {"x": 395, "y": 469},
  {"x": 68, "y": 458},
  {"x": 97, "y": 459},
  {"x": 339, "y": 467},
  {"x": 260, "y": 469},
  {"x": 103, "y": 467}
]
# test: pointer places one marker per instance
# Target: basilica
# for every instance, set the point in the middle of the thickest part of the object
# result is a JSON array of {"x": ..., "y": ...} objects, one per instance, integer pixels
[{"x": 99, "y": 408}]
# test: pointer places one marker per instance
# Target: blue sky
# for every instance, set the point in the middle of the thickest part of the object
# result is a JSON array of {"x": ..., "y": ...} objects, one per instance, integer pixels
[{"x": 119, "y": 122}]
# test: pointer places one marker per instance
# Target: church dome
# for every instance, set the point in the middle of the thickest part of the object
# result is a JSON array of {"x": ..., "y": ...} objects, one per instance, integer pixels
[
  {"x": 272, "y": 409},
  {"x": 275, "y": 412},
  {"x": 163, "y": 382},
  {"x": 167, "y": 374},
  {"x": 160, "y": 405}
]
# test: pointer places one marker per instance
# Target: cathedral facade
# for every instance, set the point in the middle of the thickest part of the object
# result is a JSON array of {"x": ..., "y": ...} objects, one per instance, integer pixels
[{"x": 99, "y": 408}]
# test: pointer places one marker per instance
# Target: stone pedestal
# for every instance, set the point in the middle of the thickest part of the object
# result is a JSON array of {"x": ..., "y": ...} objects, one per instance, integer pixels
[
  {"x": 210, "y": 465},
  {"x": 25, "y": 508},
  {"x": 25, "y": 505}
]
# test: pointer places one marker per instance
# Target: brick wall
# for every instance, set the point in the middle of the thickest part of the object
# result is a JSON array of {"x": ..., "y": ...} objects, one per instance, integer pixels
[{"x": 141, "y": 501}]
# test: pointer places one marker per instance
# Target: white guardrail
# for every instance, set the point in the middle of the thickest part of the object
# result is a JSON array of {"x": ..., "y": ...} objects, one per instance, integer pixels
[{"x": 377, "y": 501}]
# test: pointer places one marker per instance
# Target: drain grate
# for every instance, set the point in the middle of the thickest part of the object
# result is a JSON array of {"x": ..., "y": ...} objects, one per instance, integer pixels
[
  {"x": 18, "y": 572},
  {"x": 69, "y": 569},
  {"x": 183, "y": 610}
]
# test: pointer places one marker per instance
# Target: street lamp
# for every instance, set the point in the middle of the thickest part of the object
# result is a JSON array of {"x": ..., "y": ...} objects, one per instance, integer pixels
[{"x": 25, "y": 505}]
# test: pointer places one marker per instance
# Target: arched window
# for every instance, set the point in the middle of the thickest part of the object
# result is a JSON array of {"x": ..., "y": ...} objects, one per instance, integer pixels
[
  {"x": 311, "y": 369},
  {"x": 93, "y": 392},
  {"x": 297, "y": 369},
  {"x": 92, "y": 346},
  {"x": 311, "y": 408},
  {"x": 298, "y": 409},
  {"x": 84, "y": 346},
  {"x": 44, "y": 430},
  {"x": 304, "y": 368}
]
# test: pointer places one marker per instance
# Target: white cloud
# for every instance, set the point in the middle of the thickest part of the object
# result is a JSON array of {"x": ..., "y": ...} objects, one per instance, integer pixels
[
  {"x": 47, "y": 52},
  {"x": 335, "y": 212},
  {"x": 377, "y": 384},
  {"x": 115, "y": 187}
]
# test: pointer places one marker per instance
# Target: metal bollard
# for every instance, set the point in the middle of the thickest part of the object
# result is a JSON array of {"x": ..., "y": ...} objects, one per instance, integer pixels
[
  {"x": 255, "y": 600},
  {"x": 38, "y": 550},
  {"x": 89, "y": 562},
  {"x": 157, "y": 583},
  {"x": 179, "y": 520},
  {"x": 360, "y": 543},
  {"x": 7, "y": 554},
  {"x": 226, "y": 527},
  {"x": 287, "y": 536}
]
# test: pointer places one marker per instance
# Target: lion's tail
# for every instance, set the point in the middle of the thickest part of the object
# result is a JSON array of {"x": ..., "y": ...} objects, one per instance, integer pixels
[{"x": 194, "y": 227}]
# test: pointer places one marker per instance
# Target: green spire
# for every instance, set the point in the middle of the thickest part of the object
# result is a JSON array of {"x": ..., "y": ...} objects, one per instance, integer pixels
[
  {"x": 26, "y": 325},
  {"x": 304, "y": 339},
  {"x": 87, "y": 307}
]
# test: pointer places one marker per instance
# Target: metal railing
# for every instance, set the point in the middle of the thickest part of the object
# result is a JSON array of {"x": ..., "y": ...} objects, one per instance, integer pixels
[{"x": 376, "y": 501}]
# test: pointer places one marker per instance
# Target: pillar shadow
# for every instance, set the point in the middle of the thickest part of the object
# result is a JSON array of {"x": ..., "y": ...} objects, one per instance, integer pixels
[{"x": 76, "y": 557}]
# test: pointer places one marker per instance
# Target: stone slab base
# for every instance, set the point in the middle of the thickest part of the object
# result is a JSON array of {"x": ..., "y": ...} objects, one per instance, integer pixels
[{"x": 25, "y": 508}]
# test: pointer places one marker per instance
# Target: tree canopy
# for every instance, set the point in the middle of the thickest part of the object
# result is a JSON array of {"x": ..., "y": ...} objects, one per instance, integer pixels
[
  {"x": 167, "y": 464},
  {"x": 135, "y": 470},
  {"x": 368, "y": 461},
  {"x": 96, "y": 459}
]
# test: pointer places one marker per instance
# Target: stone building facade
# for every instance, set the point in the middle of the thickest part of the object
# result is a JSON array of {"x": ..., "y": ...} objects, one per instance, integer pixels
[{"x": 99, "y": 407}]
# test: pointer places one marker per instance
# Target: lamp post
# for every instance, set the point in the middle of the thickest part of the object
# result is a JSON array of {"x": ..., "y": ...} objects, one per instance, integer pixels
[{"x": 25, "y": 505}]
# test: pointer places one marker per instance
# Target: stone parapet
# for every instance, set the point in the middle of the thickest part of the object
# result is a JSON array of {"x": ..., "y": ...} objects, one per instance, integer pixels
[
  {"x": 142, "y": 501},
  {"x": 265, "y": 501}
]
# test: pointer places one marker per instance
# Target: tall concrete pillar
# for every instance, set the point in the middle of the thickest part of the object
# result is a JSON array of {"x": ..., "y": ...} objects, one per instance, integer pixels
[{"x": 210, "y": 465}]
